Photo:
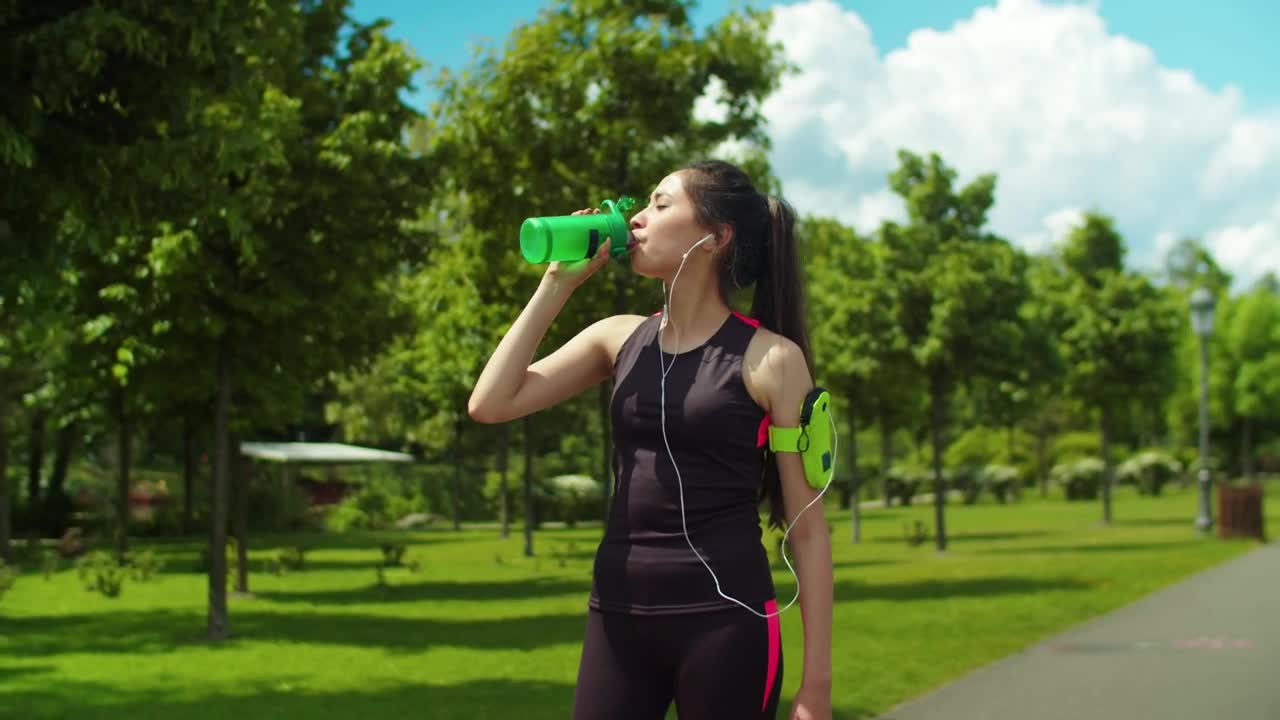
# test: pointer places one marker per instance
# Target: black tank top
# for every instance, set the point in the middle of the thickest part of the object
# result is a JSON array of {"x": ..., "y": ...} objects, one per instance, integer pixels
[{"x": 644, "y": 565}]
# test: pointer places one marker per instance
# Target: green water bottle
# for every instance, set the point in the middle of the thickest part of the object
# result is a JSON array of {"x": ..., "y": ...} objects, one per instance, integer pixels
[{"x": 577, "y": 237}]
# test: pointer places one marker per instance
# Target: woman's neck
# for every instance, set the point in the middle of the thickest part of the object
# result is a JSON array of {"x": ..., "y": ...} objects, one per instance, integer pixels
[{"x": 693, "y": 312}]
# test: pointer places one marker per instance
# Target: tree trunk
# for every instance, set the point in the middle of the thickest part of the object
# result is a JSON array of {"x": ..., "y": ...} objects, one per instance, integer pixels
[
  {"x": 939, "y": 491},
  {"x": 456, "y": 490},
  {"x": 1042, "y": 456},
  {"x": 63, "y": 447},
  {"x": 241, "y": 474},
  {"x": 606, "y": 452},
  {"x": 886, "y": 459},
  {"x": 504, "y": 460},
  {"x": 6, "y": 511},
  {"x": 122, "y": 477},
  {"x": 1106, "y": 465},
  {"x": 1246, "y": 450},
  {"x": 219, "y": 625},
  {"x": 855, "y": 511},
  {"x": 35, "y": 458},
  {"x": 528, "y": 487},
  {"x": 188, "y": 473}
]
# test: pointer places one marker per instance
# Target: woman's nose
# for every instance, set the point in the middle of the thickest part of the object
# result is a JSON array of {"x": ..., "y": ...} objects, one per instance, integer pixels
[{"x": 637, "y": 220}]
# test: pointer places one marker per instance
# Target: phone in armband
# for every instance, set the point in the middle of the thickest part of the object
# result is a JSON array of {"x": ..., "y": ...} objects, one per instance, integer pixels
[{"x": 812, "y": 438}]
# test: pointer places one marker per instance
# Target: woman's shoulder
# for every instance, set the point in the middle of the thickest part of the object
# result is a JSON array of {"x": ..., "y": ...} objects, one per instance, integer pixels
[
  {"x": 613, "y": 331},
  {"x": 771, "y": 364}
]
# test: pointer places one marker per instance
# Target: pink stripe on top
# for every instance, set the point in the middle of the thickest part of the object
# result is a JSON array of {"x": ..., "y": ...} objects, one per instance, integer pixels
[
  {"x": 748, "y": 320},
  {"x": 775, "y": 642}
]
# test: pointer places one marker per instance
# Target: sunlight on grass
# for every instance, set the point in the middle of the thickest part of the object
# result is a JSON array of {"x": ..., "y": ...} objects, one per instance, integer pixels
[{"x": 481, "y": 631}]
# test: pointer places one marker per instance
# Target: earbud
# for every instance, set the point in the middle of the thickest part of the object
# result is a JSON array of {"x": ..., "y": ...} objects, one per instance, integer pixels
[{"x": 686, "y": 252}]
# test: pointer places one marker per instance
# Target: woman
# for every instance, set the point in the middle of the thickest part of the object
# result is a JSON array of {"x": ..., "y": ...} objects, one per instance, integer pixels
[{"x": 682, "y": 606}]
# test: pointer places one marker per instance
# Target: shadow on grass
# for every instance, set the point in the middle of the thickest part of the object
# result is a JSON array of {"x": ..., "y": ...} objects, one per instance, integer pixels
[
  {"x": 277, "y": 696},
  {"x": 271, "y": 697},
  {"x": 1157, "y": 522},
  {"x": 854, "y": 590},
  {"x": 974, "y": 536},
  {"x": 1091, "y": 548},
  {"x": 163, "y": 631},
  {"x": 417, "y": 592}
]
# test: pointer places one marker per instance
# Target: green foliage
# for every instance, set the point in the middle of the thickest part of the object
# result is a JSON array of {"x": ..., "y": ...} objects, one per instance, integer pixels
[
  {"x": 1080, "y": 479},
  {"x": 144, "y": 565},
  {"x": 1071, "y": 446},
  {"x": 571, "y": 498},
  {"x": 100, "y": 572},
  {"x": 907, "y": 480},
  {"x": 1003, "y": 482},
  {"x": 1150, "y": 470},
  {"x": 393, "y": 554},
  {"x": 8, "y": 576}
]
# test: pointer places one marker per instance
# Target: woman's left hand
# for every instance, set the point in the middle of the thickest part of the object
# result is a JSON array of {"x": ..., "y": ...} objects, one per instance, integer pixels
[{"x": 811, "y": 704}]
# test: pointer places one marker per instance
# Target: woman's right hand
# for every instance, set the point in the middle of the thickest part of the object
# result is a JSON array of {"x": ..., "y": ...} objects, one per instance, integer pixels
[{"x": 574, "y": 273}]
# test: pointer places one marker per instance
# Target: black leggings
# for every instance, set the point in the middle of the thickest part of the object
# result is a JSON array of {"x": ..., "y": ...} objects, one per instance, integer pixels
[{"x": 723, "y": 664}]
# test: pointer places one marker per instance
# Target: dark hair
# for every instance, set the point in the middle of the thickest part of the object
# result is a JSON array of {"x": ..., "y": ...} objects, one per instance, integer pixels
[{"x": 763, "y": 254}]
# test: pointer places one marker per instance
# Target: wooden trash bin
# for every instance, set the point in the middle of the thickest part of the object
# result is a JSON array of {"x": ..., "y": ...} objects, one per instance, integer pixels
[{"x": 1240, "y": 512}]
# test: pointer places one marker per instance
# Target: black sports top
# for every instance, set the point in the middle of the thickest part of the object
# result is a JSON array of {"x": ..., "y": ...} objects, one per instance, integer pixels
[{"x": 644, "y": 565}]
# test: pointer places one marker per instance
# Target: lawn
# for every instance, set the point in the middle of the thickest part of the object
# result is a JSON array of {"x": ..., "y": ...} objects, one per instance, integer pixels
[{"x": 479, "y": 631}]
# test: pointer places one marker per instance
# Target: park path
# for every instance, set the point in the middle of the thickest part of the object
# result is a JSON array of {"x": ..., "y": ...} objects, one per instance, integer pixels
[{"x": 1205, "y": 647}]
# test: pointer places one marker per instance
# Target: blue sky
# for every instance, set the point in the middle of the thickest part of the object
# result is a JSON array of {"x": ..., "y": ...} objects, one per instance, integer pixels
[
  {"x": 1230, "y": 42},
  {"x": 1163, "y": 115}
]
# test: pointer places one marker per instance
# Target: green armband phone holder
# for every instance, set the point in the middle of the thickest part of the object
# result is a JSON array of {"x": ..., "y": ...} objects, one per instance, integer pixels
[{"x": 812, "y": 439}]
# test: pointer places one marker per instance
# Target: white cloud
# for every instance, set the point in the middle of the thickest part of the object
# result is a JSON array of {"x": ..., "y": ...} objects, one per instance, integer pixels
[{"x": 1069, "y": 115}]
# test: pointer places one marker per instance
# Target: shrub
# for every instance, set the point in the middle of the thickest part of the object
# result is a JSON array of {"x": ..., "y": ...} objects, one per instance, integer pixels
[
  {"x": 8, "y": 576},
  {"x": 143, "y": 566},
  {"x": 573, "y": 497},
  {"x": 393, "y": 554},
  {"x": 906, "y": 480},
  {"x": 100, "y": 572},
  {"x": 1002, "y": 481},
  {"x": 1072, "y": 446},
  {"x": 1150, "y": 470},
  {"x": 1080, "y": 478}
]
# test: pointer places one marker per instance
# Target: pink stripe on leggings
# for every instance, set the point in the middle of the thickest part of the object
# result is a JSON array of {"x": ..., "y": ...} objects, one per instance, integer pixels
[{"x": 775, "y": 641}]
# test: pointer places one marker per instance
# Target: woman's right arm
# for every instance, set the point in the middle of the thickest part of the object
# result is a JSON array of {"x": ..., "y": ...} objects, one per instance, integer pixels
[{"x": 510, "y": 388}]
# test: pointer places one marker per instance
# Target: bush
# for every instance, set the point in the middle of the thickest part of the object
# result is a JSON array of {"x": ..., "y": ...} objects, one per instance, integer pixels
[
  {"x": 1002, "y": 481},
  {"x": 572, "y": 498},
  {"x": 1150, "y": 470},
  {"x": 906, "y": 480},
  {"x": 292, "y": 558},
  {"x": 1080, "y": 478},
  {"x": 966, "y": 479},
  {"x": 143, "y": 566},
  {"x": 8, "y": 576},
  {"x": 345, "y": 516},
  {"x": 1072, "y": 446},
  {"x": 393, "y": 554},
  {"x": 99, "y": 572}
]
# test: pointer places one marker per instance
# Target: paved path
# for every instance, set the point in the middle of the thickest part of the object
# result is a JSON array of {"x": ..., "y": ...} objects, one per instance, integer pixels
[{"x": 1207, "y": 647}]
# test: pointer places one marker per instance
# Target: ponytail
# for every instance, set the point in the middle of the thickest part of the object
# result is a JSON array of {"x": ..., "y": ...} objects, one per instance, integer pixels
[{"x": 764, "y": 252}]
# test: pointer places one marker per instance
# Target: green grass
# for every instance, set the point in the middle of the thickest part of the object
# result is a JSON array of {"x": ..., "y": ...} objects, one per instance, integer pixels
[{"x": 482, "y": 632}]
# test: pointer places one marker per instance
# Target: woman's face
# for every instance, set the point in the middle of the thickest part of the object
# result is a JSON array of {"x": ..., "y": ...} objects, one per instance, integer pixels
[{"x": 665, "y": 230}]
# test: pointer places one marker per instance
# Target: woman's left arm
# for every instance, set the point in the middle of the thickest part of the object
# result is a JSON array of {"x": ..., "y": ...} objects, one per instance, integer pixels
[{"x": 810, "y": 541}]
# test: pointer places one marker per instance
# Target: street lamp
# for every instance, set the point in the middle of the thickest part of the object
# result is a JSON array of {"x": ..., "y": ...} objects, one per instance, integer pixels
[{"x": 1202, "y": 302}]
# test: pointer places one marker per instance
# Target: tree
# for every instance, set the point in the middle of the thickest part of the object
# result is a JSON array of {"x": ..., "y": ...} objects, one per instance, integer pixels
[
  {"x": 960, "y": 290},
  {"x": 308, "y": 190},
  {"x": 584, "y": 103},
  {"x": 861, "y": 350},
  {"x": 1118, "y": 332},
  {"x": 1252, "y": 337}
]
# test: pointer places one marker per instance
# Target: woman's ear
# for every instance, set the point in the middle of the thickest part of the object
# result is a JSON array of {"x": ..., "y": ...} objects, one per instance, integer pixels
[{"x": 724, "y": 237}]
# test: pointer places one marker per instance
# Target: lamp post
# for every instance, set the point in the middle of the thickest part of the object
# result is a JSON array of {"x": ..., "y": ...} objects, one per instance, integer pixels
[{"x": 1202, "y": 302}]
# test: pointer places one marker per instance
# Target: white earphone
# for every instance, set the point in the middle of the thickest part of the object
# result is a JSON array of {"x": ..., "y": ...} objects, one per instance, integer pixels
[{"x": 666, "y": 317}]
